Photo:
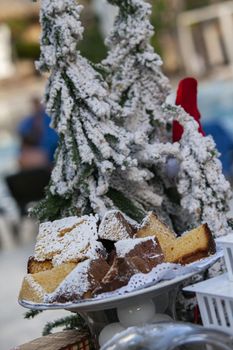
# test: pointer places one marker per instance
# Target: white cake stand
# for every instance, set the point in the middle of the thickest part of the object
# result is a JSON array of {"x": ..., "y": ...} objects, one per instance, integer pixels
[
  {"x": 112, "y": 302},
  {"x": 100, "y": 312}
]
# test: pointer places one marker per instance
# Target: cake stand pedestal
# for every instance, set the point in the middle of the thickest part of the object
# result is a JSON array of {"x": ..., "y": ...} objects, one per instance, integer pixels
[{"x": 133, "y": 312}]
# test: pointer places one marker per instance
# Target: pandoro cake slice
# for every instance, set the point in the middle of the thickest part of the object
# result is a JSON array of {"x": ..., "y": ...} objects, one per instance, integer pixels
[
  {"x": 36, "y": 286},
  {"x": 191, "y": 246},
  {"x": 72, "y": 239},
  {"x": 115, "y": 227},
  {"x": 80, "y": 283},
  {"x": 152, "y": 226},
  {"x": 35, "y": 266}
]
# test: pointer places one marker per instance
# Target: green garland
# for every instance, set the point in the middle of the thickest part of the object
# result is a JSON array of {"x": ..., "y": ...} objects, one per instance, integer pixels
[{"x": 69, "y": 322}]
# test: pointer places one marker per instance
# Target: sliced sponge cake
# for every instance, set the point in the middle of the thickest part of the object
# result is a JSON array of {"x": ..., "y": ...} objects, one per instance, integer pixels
[
  {"x": 36, "y": 285},
  {"x": 191, "y": 246},
  {"x": 152, "y": 226},
  {"x": 35, "y": 266}
]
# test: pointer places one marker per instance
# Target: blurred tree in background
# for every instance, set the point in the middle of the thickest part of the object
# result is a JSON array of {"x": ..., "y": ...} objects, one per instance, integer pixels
[
  {"x": 92, "y": 46},
  {"x": 193, "y": 4},
  {"x": 26, "y": 46},
  {"x": 158, "y": 19},
  {"x": 25, "y": 31}
]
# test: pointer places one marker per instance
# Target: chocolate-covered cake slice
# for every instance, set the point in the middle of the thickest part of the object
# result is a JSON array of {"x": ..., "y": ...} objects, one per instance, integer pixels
[
  {"x": 80, "y": 283},
  {"x": 132, "y": 256}
]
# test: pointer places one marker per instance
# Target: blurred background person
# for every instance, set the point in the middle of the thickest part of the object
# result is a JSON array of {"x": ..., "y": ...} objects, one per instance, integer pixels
[
  {"x": 38, "y": 140},
  {"x": 31, "y": 156}
]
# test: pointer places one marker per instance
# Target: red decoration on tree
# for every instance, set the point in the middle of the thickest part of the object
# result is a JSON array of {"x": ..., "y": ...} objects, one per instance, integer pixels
[{"x": 187, "y": 98}]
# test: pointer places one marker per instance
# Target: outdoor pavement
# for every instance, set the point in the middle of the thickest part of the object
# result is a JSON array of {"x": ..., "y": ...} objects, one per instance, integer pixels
[{"x": 14, "y": 329}]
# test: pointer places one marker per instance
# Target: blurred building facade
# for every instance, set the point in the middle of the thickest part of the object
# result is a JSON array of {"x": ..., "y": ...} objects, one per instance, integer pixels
[
  {"x": 6, "y": 64},
  {"x": 195, "y": 36},
  {"x": 205, "y": 39}
]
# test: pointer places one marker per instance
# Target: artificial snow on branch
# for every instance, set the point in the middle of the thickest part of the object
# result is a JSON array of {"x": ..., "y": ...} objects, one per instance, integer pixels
[
  {"x": 135, "y": 75},
  {"x": 204, "y": 191}
]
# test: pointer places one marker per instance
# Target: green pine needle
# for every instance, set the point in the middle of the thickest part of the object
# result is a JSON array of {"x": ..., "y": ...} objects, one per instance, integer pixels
[
  {"x": 69, "y": 322},
  {"x": 126, "y": 205},
  {"x": 32, "y": 313}
]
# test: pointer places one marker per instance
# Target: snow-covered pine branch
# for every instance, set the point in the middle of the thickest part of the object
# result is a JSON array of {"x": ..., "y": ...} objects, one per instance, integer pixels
[
  {"x": 204, "y": 191},
  {"x": 135, "y": 75}
]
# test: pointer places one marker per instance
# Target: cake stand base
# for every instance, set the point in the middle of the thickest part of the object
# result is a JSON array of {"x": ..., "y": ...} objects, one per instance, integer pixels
[{"x": 97, "y": 320}]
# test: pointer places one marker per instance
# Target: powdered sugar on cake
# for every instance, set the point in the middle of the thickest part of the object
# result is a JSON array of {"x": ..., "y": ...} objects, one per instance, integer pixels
[
  {"x": 77, "y": 283},
  {"x": 128, "y": 264},
  {"x": 124, "y": 246},
  {"x": 70, "y": 239},
  {"x": 74, "y": 285},
  {"x": 115, "y": 227},
  {"x": 35, "y": 286}
]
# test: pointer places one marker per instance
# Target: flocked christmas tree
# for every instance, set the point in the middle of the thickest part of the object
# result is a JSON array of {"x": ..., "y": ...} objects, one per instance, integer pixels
[
  {"x": 94, "y": 170},
  {"x": 139, "y": 86},
  {"x": 199, "y": 192}
]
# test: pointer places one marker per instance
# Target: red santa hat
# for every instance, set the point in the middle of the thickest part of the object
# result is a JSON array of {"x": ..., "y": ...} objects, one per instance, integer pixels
[{"x": 187, "y": 98}]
